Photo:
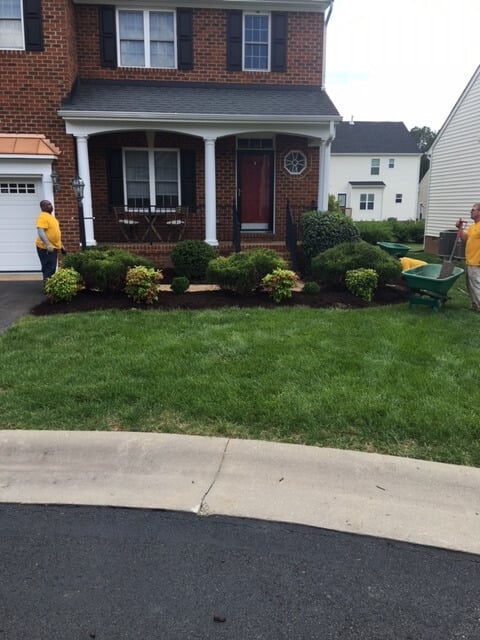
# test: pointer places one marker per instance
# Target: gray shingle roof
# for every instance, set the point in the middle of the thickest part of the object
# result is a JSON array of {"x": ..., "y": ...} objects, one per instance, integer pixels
[
  {"x": 205, "y": 99},
  {"x": 373, "y": 137}
]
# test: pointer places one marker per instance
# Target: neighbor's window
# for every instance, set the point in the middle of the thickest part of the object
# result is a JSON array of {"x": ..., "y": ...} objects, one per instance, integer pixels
[
  {"x": 256, "y": 42},
  {"x": 295, "y": 162},
  {"x": 342, "y": 200},
  {"x": 11, "y": 29},
  {"x": 375, "y": 167},
  {"x": 398, "y": 198},
  {"x": 391, "y": 163},
  {"x": 152, "y": 178},
  {"x": 367, "y": 201},
  {"x": 146, "y": 38}
]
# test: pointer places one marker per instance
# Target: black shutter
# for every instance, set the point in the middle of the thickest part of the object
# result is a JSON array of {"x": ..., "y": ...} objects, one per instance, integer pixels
[
  {"x": 115, "y": 177},
  {"x": 108, "y": 36},
  {"x": 184, "y": 39},
  {"x": 188, "y": 181},
  {"x": 234, "y": 40},
  {"x": 279, "y": 41},
  {"x": 32, "y": 25}
]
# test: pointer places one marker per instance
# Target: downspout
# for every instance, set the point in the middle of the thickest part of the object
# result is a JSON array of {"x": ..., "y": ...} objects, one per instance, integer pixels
[{"x": 324, "y": 54}]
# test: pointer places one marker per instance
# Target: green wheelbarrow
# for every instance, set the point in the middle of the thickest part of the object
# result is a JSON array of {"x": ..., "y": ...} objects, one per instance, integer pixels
[
  {"x": 394, "y": 248},
  {"x": 426, "y": 287}
]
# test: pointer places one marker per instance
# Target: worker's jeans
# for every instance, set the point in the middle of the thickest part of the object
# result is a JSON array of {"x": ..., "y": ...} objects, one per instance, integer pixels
[
  {"x": 48, "y": 260},
  {"x": 473, "y": 286}
]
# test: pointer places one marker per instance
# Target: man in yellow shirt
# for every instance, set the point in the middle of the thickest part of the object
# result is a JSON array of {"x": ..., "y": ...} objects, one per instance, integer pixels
[
  {"x": 48, "y": 240},
  {"x": 472, "y": 255}
]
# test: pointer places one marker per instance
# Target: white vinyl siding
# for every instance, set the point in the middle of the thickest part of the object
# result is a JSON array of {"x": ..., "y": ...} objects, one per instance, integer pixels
[{"x": 455, "y": 164}]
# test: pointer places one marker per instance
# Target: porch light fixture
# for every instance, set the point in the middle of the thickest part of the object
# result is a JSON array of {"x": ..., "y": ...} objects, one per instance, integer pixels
[
  {"x": 55, "y": 183},
  {"x": 78, "y": 187}
]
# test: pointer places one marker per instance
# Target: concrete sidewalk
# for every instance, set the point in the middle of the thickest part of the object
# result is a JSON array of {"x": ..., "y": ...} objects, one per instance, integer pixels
[{"x": 390, "y": 497}]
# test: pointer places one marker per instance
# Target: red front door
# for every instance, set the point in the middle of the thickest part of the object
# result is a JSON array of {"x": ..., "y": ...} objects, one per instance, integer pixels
[{"x": 255, "y": 190}]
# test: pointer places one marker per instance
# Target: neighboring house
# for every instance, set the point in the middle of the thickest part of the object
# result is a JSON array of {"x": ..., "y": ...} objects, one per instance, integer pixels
[
  {"x": 423, "y": 191},
  {"x": 455, "y": 166},
  {"x": 374, "y": 170},
  {"x": 216, "y": 107}
]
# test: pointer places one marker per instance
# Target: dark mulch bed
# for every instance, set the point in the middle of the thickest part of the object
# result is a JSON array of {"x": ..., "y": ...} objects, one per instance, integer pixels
[{"x": 328, "y": 297}]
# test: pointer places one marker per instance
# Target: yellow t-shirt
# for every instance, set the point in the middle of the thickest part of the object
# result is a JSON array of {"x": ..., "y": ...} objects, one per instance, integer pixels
[
  {"x": 50, "y": 225},
  {"x": 472, "y": 247}
]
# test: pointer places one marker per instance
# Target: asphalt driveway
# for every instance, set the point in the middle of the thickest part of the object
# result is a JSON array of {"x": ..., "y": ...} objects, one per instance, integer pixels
[{"x": 17, "y": 298}]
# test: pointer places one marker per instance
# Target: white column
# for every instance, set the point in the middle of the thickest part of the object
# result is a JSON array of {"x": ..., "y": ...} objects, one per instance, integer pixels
[
  {"x": 210, "y": 194},
  {"x": 84, "y": 173},
  {"x": 323, "y": 174}
]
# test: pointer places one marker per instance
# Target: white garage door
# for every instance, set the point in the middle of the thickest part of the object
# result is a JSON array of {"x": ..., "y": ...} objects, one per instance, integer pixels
[{"x": 19, "y": 207}]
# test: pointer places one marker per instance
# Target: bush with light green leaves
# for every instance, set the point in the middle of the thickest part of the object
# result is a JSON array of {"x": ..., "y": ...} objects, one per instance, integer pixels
[
  {"x": 63, "y": 285},
  {"x": 362, "y": 283}
]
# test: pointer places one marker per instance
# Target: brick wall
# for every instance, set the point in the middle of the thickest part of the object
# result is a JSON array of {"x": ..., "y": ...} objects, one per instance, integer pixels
[{"x": 304, "y": 63}]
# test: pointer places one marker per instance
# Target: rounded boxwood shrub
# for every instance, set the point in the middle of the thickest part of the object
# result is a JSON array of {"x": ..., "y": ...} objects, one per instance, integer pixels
[
  {"x": 322, "y": 230},
  {"x": 190, "y": 258},
  {"x": 180, "y": 284},
  {"x": 331, "y": 266},
  {"x": 242, "y": 272},
  {"x": 311, "y": 288},
  {"x": 104, "y": 268}
]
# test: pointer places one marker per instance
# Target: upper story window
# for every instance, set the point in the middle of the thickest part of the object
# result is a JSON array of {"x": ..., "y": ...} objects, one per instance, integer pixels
[
  {"x": 398, "y": 198},
  {"x": 11, "y": 24},
  {"x": 375, "y": 167},
  {"x": 146, "y": 38},
  {"x": 391, "y": 163},
  {"x": 256, "y": 42}
]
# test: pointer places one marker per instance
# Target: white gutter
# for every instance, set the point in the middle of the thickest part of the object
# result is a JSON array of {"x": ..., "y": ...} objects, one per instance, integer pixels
[{"x": 193, "y": 118}]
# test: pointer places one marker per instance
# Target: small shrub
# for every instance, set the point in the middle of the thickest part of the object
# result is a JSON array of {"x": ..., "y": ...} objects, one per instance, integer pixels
[
  {"x": 324, "y": 229},
  {"x": 280, "y": 284},
  {"x": 331, "y": 266},
  {"x": 311, "y": 288},
  {"x": 141, "y": 284},
  {"x": 63, "y": 285},
  {"x": 242, "y": 272},
  {"x": 191, "y": 257},
  {"x": 180, "y": 284},
  {"x": 104, "y": 268},
  {"x": 362, "y": 283},
  {"x": 374, "y": 232}
]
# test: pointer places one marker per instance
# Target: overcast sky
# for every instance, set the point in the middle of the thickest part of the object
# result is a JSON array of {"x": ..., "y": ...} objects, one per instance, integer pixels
[{"x": 405, "y": 61}]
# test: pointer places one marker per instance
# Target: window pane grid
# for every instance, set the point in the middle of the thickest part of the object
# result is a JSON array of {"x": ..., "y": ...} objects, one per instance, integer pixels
[
  {"x": 11, "y": 32},
  {"x": 256, "y": 42},
  {"x": 147, "y": 38}
]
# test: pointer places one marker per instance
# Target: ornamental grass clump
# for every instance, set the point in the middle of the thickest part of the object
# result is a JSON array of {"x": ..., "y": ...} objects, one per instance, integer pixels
[
  {"x": 279, "y": 284},
  {"x": 362, "y": 283},
  {"x": 141, "y": 284},
  {"x": 63, "y": 285}
]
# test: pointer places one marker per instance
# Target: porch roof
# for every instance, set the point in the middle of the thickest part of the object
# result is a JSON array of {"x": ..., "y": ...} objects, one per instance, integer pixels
[{"x": 199, "y": 102}]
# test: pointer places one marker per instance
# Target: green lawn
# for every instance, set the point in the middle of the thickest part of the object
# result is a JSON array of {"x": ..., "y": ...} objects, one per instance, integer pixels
[{"x": 389, "y": 379}]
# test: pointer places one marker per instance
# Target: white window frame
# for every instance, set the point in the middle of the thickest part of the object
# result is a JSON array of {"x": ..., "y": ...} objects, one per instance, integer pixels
[
  {"x": 367, "y": 199},
  {"x": 146, "y": 37},
  {"x": 21, "y": 45},
  {"x": 292, "y": 162},
  {"x": 398, "y": 198},
  {"x": 391, "y": 163},
  {"x": 375, "y": 167},
  {"x": 151, "y": 176},
  {"x": 269, "y": 42}
]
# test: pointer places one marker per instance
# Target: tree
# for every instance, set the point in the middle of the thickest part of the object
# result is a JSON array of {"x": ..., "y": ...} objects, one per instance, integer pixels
[{"x": 424, "y": 138}]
